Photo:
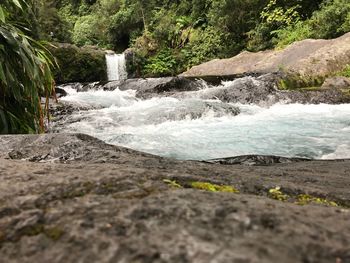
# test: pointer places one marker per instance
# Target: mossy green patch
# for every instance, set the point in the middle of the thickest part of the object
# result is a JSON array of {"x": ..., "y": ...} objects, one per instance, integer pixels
[
  {"x": 301, "y": 199},
  {"x": 277, "y": 194},
  {"x": 54, "y": 233},
  {"x": 304, "y": 199},
  {"x": 206, "y": 186},
  {"x": 345, "y": 72},
  {"x": 213, "y": 187},
  {"x": 32, "y": 230},
  {"x": 301, "y": 83},
  {"x": 172, "y": 183}
]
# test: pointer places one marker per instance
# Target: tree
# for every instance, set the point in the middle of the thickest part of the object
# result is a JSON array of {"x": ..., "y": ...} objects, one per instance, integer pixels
[{"x": 25, "y": 74}]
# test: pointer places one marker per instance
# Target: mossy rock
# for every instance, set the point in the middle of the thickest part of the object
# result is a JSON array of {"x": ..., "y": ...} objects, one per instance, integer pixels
[{"x": 79, "y": 64}]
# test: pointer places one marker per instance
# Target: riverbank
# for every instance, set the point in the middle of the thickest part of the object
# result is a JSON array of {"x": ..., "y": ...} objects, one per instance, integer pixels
[{"x": 75, "y": 198}]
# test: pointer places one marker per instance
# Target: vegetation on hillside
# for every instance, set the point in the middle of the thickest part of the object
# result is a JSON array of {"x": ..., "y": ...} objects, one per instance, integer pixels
[{"x": 171, "y": 36}]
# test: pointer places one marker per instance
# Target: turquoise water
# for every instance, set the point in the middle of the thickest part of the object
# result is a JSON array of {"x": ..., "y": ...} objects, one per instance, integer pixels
[{"x": 203, "y": 129}]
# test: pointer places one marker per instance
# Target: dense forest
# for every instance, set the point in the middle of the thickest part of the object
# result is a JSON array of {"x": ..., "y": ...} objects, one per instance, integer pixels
[
  {"x": 167, "y": 37},
  {"x": 171, "y": 36}
]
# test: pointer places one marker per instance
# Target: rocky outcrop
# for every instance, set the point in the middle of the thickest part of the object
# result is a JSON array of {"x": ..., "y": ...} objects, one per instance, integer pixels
[
  {"x": 264, "y": 91},
  {"x": 144, "y": 87},
  {"x": 261, "y": 90},
  {"x": 84, "y": 64},
  {"x": 74, "y": 198},
  {"x": 337, "y": 82},
  {"x": 307, "y": 59}
]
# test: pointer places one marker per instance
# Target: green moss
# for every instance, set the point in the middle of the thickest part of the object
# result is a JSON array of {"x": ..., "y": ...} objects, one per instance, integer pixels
[
  {"x": 202, "y": 186},
  {"x": 32, "y": 230},
  {"x": 79, "y": 64},
  {"x": 301, "y": 199},
  {"x": 304, "y": 199},
  {"x": 213, "y": 187},
  {"x": 172, "y": 183},
  {"x": 277, "y": 194},
  {"x": 302, "y": 83},
  {"x": 54, "y": 233},
  {"x": 345, "y": 72}
]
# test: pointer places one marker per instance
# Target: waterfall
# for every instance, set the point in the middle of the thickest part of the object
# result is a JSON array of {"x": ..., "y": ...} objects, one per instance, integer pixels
[{"x": 116, "y": 67}]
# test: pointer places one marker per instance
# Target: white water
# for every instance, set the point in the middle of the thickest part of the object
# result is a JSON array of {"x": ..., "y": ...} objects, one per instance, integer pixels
[
  {"x": 193, "y": 128},
  {"x": 116, "y": 67}
]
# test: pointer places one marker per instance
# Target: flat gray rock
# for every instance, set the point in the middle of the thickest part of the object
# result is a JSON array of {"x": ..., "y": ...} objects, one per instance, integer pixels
[{"x": 73, "y": 198}]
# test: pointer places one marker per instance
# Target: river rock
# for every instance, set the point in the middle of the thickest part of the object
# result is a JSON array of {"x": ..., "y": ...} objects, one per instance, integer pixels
[
  {"x": 78, "y": 64},
  {"x": 337, "y": 82},
  {"x": 307, "y": 58},
  {"x": 73, "y": 198},
  {"x": 263, "y": 90}
]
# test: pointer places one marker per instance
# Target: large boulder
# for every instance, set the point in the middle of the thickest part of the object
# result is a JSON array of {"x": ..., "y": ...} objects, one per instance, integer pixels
[
  {"x": 308, "y": 59},
  {"x": 86, "y": 64}
]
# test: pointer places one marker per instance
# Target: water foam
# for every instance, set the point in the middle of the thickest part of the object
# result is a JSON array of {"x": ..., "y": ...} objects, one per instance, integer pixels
[{"x": 195, "y": 128}]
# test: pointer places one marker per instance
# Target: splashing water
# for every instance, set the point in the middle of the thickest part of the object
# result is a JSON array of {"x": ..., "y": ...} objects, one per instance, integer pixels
[{"x": 195, "y": 128}]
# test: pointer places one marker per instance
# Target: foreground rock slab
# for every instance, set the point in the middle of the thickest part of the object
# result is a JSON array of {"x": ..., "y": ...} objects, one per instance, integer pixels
[{"x": 73, "y": 198}]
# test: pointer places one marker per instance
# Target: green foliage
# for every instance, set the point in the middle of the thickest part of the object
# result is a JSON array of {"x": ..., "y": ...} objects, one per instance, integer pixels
[
  {"x": 90, "y": 30},
  {"x": 163, "y": 64},
  {"x": 171, "y": 36},
  {"x": 345, "y": 72},
  {"x": 292, "y": 33},
  {"x": 332, "y": 20},
  {"x": 205, "y": 44},
  {"x": 25, "y": 74}
]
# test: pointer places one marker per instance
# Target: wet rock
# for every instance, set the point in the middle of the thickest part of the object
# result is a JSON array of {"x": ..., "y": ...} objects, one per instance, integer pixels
[
  {"x": 263, "y": 90},
  {"x": 253, "y": 160},
  {"x": 136, "y": 207},
  {"x": 60, "y": 92}
]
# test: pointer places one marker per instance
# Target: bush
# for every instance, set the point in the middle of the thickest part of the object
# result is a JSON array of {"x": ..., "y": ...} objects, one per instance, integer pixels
[
  {"x": 162, "y": 64},
  {"x": 332, "y": 20}
]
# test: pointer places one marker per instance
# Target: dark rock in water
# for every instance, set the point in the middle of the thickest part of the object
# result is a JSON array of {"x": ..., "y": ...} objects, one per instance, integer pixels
[
  {"x": 81, "y": 200},
  {"x": 145, "y": 87},
  {"x": 60, "y": 92},
  {"x": 152, "y": 87},
  {"x": 247, "y": 90},
  {"x": 263, "y": 91},
  {"x": 253, "y": 160},
  {"x": 260, "y": 90}
]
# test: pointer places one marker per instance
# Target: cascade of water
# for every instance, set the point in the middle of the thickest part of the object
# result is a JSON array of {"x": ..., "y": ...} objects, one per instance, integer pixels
[
  {"x": 116, "y": 67},
  {"x": 196, "y": 127}
]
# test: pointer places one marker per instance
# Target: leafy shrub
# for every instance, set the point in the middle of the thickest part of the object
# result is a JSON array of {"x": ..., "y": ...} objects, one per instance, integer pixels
[
  {"x": 25, "y": 74},
  {"x": 162, "y": 64}
]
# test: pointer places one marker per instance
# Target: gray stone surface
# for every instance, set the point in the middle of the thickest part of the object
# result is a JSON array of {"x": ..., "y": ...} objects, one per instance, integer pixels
[
  {"x": 308, "y": 58},
  {"x": 73, "y": 198}
]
